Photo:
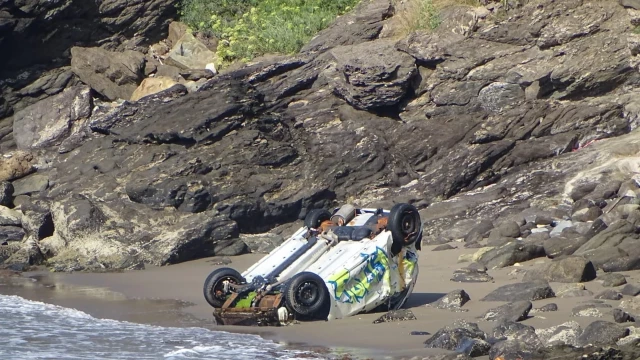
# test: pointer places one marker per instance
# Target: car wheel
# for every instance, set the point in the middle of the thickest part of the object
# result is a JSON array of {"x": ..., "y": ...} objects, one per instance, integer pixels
[
  {"x": 315, "y": 217},
  {"x": 214, "y": 285},
  {"x": 404, "y": 224},
  {"x": 307, "y": 296}
]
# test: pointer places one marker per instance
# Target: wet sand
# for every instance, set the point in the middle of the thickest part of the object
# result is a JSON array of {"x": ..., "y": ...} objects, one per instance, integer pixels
[{"x": 172, "y": 296}]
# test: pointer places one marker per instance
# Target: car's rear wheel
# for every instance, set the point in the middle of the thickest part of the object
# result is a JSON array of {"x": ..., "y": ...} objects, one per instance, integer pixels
[
  {"x": 315, "y": 217},
  {"x": 404, "y": 224},
  {"x": 307, "y": 296},
  {"x": 214, "y": 285}
]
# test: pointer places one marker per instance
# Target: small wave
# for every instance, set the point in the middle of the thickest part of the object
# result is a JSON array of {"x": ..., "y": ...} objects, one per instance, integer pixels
[{"x": 36, "y": 330}]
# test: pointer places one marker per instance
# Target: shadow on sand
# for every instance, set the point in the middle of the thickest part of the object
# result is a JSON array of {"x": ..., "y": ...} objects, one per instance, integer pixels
[{"x": 421, "y": 299}]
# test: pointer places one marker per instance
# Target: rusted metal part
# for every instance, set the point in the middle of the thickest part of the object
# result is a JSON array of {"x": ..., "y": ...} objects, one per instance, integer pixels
[
  {"x": 256, "y": 316},
  {"x": 381, "y": 225},
  {"x": 325, "y": 225},
  {"x": 265, "y": 314}
]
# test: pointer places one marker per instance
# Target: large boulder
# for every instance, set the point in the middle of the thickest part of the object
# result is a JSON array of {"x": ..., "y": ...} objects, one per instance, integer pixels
[
  {"x": 114, "y": 75},
  {"x": 524, "y": 291},
  {"x": 48, "y": 122},
  {"x": 570, "y": 269},
  {"x": 510, "y": 254},
  {"x": 189, "y": 53},
  {"x": 372, "y": 75}
]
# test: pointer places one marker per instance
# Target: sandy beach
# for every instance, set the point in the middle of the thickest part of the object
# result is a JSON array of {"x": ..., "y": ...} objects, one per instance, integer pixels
[{"x": 172, "y": 296}]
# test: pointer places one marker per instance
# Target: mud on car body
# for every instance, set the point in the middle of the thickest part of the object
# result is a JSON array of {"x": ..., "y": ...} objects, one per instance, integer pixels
[{"x": 339, "y": 264}]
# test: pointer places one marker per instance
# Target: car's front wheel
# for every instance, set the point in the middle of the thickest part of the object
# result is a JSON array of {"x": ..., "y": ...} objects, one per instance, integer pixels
[
  {"x": 214, "y": 286},
  {"x": 307, "y": 296}
]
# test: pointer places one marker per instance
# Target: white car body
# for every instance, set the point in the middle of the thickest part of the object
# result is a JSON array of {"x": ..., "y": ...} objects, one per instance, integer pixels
[{"x": 360, "y": 275}]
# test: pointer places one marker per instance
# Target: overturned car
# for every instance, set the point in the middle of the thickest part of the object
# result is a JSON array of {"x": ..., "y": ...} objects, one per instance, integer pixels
[{"x": 338, "y": 264}]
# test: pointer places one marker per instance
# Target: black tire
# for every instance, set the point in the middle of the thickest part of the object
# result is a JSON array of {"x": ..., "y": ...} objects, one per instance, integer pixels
[
  {"x": 307, "y": 296},
  {"x": 315, "y": 217},
  {"x": 404, "y": 224},
  {"x": 213, "y": 285}
]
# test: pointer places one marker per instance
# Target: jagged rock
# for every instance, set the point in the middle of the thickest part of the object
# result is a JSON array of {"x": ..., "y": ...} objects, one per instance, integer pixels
[
  {"x": 479, "y": 231},
  {"x": 471, "y": 275},
  {"x": 564, "y": 334},
  {"x": 612, "y": 279},
  {"x": 602, "y": 333},
  {"x": 515, "y": 311},
  {"x": 631, "y": 290},
  {"x": 6, "y": 193},
  {"x": 570, "y": 269},
  {"x": 513, "y": 349},
  {"x": 590, "y": 310},
  {"x": 195, "y": 74},
  {"x": 114, "y": 75},
  {"x": 609, "y": 294},
  {"x": 36, "y": 219},
  {"x": 11, "y": 233},
  {"x": 30, "y": 184},
  {"x": 189, "y": 53},
  {"x": 396, "y": 315},
  {"x": 461, "y": 336},
  {"x": 151, "y": 86},
  {"x": 510, "y": 254},
  {"x": 524, "y": 291},
  {"x": 453, "y": 300},
  {"x": 546, "y": 308},
  {"x": 621, "y": 316},
  {"x": 48, "y": 122},
  {"x": 371, "y": 75}
]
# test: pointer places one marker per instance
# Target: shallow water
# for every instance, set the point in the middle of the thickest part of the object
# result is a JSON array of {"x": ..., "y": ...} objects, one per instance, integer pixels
[{"x": 36, "y": 330}]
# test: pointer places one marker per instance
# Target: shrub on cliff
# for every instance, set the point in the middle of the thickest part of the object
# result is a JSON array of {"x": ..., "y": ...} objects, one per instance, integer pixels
[{"x": 250, "y": 28}]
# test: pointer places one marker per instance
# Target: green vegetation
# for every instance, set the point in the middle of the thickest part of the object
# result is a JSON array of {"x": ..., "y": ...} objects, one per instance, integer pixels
[
  {"x": 250, "y": 28},
  {"x": 423, "y": 15}
]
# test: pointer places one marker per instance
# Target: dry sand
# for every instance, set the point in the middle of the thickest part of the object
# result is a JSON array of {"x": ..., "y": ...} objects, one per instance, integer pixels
[{"x": 172, "y": 295}]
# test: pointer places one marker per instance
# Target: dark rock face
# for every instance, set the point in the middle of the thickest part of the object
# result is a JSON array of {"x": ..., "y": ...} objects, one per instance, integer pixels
[
  {"x": 525, "y": 291},
  {"x": 39, "y": 35},
  {"x": 510, "y": 254},
  {"x": 563, "y": 244},
  {"x": 621, "y": 316},
  {"x": 427, "y": 118},
  {"x": 462, "y": 337},
  {"x": 6, "y": 193},
  {"x": 602, "y": 333},
  {"x": 515, "y": 311},
  {"x": 453, "y": 300},
  {"x": 368, "y": 82}
]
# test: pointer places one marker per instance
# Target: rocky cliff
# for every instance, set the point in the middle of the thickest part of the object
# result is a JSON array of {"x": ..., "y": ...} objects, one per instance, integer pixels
[{"x": 526, "y": 116}]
